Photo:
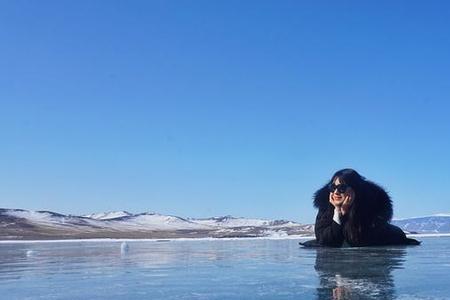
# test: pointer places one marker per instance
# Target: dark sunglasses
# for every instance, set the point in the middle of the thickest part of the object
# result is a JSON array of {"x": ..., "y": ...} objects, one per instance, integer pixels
[{"x": 340, "y": 188}]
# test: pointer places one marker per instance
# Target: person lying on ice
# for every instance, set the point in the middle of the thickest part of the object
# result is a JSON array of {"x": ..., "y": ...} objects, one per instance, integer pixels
[{"x": 354, "y": 212}]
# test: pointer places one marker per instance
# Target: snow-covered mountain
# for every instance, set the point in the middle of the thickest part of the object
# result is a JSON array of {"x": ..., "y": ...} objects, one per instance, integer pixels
[
  {"x": 233, "y": 222},
  {"x": 154, "y": 221},
  {"x": 24, "y": 224},
  {"x": 439, "y": 223},
  {"x": 46, "y": 218},
  {"x": 108, "y": 215}
]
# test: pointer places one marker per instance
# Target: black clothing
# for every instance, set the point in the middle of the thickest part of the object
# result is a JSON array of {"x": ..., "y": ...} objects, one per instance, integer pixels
[{"x": 371, "y": 212}]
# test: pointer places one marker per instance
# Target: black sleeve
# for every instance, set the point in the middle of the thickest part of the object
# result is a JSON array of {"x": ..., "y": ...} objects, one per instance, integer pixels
[
  {"x": 328, "y": 232},
  {"x": 391, "y": 235}
]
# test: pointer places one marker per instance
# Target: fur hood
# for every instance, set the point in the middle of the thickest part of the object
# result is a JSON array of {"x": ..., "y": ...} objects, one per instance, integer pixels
[{"x": 371, "y": 201}]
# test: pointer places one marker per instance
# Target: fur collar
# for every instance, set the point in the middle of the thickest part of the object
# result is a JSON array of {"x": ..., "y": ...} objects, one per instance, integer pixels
[{"x": 373, "y": 200}]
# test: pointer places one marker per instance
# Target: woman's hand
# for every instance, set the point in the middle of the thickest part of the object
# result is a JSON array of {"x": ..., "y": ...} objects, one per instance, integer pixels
[
  {"x": 336, "y": 201},
  {"x": 348, "y": 200}
]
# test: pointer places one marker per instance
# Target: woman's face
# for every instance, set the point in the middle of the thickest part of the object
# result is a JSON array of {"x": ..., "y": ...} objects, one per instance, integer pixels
[{"x": 340, "y": 191}]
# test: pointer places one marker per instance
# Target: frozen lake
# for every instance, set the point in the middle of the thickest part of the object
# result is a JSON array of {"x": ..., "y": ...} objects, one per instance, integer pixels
[{"x": 222, "y": 269}]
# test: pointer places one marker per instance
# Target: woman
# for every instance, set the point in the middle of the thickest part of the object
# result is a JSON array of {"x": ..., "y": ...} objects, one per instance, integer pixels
[{"x": 355, "y": 212}]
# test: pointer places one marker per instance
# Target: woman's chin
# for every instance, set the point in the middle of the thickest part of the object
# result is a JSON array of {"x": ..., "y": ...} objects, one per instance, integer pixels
[{"x": 338, "y": 201}]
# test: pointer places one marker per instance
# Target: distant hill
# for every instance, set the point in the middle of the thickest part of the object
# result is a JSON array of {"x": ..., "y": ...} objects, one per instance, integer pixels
[
  {"x": 439, "y": 223},
  {"x": 19, "y": 224}
]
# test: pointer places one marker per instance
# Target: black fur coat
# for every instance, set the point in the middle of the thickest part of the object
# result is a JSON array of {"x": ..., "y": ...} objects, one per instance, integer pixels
[{"x": 365, "y": 224}]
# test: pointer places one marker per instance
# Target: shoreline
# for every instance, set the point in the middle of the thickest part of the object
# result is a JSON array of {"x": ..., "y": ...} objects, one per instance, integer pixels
[{"x": 159, "y": 240}]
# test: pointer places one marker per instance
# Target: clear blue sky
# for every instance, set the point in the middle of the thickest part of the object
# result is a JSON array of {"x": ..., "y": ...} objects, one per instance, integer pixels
[{"x": 205, "y": 108}]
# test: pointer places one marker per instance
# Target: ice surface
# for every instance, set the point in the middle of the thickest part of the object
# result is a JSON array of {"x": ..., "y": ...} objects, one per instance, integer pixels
[
  {"x": 222, "y": 269},
  {"x": 124, "y": 248}
]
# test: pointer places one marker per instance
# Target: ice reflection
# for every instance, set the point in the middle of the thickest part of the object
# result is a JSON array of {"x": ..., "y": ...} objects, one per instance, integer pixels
[
  {"x": 42, "y": 257},
  {"x": 221, "y": 269},
  {"x": 358, "y": 273}
]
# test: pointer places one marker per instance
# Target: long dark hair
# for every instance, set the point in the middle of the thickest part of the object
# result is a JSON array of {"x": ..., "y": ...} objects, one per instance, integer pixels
[
  {"x": 349, "y": 177},
  {"x": 360, "y": 217}
]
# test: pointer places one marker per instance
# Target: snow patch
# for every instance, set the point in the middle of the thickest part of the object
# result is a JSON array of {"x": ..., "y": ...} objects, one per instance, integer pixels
[{"x": 108, "y": 215}]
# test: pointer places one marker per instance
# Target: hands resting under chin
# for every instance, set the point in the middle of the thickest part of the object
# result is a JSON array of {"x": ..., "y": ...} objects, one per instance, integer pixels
[{"x": 343, "y": 201}]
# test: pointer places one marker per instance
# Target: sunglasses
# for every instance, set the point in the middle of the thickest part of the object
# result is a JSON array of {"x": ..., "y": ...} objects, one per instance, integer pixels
[{"x": 340, "y": 188}]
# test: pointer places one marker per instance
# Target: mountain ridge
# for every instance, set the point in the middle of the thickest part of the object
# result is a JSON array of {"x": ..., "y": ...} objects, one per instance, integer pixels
[{"x": 21, "y": 224}]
